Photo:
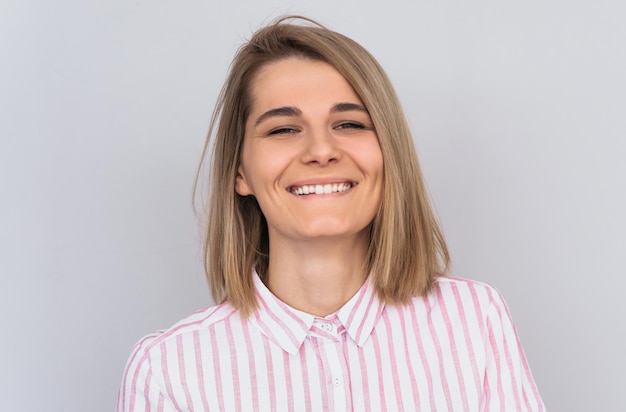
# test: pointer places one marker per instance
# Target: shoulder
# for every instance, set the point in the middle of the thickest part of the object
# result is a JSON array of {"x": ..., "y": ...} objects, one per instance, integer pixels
[
  {"x": 156, "y": 358},
  {"x": 199, "y": 322},
  {"x": 465, "y": 297},
  {"x": 466, "y": 289}
]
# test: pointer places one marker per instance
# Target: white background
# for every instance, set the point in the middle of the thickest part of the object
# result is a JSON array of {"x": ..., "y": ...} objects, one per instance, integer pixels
[{"x": 518, "y": 112}]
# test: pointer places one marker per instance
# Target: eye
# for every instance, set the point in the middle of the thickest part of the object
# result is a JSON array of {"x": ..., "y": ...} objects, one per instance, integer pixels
[
  {"x": 350, "y": 125},
  {"x": 282, "y": 130}
]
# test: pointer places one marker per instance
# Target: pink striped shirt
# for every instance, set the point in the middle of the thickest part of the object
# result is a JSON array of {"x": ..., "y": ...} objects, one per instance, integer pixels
[{"x": 453, "y": 350}]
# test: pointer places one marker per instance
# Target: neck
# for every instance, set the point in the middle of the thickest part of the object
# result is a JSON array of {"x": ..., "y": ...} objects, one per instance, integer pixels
[{"x": 317, "y": 277}]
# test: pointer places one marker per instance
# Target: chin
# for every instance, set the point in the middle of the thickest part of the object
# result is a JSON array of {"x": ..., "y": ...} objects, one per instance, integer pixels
[{"x": 332, "y": 230}]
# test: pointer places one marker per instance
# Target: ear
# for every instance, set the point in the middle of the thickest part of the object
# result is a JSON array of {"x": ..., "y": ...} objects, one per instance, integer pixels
[{"x": 241, "y": 183}]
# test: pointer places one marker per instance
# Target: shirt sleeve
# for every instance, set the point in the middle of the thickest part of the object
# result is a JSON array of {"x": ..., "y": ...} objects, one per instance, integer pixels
[
  {"x": 508, "y": 382},
  {"x": 139, "y": 390}
]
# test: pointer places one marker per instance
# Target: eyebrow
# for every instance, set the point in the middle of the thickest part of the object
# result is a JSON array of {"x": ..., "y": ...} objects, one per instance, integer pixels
[
  {"x": 279, "y": 111},
  {"x": 347, "y": 107},
  {"x": 292, "y": 111}
]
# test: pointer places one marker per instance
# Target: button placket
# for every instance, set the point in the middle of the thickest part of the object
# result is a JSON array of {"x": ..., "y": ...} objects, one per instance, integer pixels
[{"x": 336, "y": 374}]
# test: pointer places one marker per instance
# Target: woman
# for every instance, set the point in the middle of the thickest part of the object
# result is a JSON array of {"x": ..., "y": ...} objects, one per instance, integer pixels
[{"x": 326, "y": 256}]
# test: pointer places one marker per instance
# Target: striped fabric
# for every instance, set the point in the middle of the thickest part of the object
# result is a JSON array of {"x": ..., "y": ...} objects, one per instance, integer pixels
[{"x": 453, "y": 350}]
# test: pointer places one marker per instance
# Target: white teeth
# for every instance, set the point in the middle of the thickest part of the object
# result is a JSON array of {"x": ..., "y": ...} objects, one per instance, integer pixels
[{"x": 322, "y": 189}]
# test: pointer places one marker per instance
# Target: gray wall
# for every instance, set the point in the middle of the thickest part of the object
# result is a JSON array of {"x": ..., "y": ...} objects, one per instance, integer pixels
[{"x": 519, "y": 117}]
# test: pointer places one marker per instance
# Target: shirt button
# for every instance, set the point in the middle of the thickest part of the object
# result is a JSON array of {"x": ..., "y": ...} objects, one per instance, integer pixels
[
  {"x": 328, "y": 327},
  {"x": 337, "y": 381}
]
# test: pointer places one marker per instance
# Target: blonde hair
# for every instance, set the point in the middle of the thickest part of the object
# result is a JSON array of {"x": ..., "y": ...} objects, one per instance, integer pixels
[{"x": 407, "y": 250}]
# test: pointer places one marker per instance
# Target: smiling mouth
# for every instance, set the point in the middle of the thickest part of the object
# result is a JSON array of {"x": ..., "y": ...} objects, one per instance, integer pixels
[{"x": 321, "y": 189}]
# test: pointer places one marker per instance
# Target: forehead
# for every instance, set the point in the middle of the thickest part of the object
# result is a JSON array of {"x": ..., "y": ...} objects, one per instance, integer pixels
[{"x": 296, "y": 77}]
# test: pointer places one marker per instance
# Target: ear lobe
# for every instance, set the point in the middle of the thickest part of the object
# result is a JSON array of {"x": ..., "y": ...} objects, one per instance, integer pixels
[{"x": 241, "y": 184}]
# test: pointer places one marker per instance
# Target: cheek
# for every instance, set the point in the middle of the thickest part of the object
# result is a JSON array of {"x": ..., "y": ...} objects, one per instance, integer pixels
[
  {"x": 377, "y": 161},
  {"x": 372, "y": 157},
  {"x": 258, "y": 172},
  {"x": 377, "y": 158},
  {"x": 247, "y": 173}
]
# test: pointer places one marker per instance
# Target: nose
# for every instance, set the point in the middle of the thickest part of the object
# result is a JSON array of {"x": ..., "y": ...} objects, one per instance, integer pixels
[{"x": 321, "y": 148}]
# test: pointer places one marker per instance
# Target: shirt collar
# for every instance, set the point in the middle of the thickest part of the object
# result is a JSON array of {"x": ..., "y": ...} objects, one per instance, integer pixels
[{"x": 288, "y": 327}]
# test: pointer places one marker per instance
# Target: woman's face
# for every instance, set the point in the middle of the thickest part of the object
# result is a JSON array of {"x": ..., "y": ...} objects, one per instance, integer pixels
[{"x": 310, "y": 154}]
